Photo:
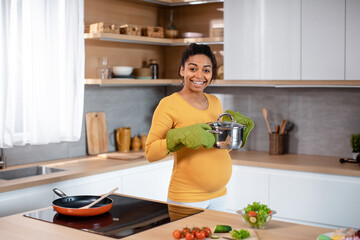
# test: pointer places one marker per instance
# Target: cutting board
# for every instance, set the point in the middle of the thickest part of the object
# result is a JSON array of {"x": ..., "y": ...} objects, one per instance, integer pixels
[
  {"x": 122, "y": 156},
  {"x": 96, "y": 133}
]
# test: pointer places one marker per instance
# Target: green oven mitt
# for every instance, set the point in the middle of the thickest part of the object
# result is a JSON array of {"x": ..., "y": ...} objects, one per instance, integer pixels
[
  {"x": 193, "y": 137},
  {"x": 247, "y": 122}
]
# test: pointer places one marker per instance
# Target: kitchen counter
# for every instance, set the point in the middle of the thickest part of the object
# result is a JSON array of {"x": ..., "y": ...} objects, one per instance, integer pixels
[
  {"x": 91, "y": 165},
  {"x": 17, "y": 227}
]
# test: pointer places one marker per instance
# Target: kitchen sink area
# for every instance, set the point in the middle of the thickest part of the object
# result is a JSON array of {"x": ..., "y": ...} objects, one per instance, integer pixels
[{"x": 28, "y": 172}]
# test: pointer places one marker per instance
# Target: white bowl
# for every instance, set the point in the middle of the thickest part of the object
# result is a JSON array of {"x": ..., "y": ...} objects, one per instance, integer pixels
[{"x": 122, "y": 70}]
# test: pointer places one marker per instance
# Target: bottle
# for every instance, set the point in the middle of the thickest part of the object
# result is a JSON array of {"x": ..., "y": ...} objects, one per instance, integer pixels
[
  {"x": 104, "y": 69},
  {"x": 171, "y": 31},
  {"x": 154, "y": 66}
]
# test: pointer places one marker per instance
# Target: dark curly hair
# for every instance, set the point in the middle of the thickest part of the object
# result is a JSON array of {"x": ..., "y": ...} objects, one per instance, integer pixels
[{"x": 194, "y": 49}]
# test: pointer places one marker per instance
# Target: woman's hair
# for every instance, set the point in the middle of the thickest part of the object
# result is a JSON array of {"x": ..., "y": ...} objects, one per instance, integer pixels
[{"x": 194, "y": 49}]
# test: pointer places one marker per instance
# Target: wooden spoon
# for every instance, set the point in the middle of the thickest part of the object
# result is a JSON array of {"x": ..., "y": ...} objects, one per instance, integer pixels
[
  {"x": 99, "y": 199},
  {"x": 283, "y": 125},
  {"x": 265, "y": 113}
]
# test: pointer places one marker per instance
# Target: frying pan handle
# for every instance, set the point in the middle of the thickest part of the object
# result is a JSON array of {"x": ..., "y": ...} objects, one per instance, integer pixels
[{"x": 59, "y": 192}]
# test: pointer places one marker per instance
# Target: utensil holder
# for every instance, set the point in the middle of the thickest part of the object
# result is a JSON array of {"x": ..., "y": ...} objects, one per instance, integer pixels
[{"x": 276, "y": 143}]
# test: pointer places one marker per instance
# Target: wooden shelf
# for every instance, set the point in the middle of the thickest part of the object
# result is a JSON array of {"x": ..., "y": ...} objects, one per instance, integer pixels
[
  {"x": 227, "y": 83},
  {"x": 173, "y": 3},
  {"x": 150, "y": 40}
]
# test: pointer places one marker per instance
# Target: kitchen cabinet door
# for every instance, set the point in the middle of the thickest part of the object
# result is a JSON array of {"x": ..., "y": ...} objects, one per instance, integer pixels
[
  {"x": 150, "y": 181},
  {"x": 247, "y": 184},
  {"x": 313, "y": 198},
  {"x": 25, "y": 200},
  {"x": 262, "y": 40},
  {"x": 280, "y": 40},
  {"x": 352, "y": 40},
  {"x": 242, "y": 39},
  {"x": 323, "y": 40}
]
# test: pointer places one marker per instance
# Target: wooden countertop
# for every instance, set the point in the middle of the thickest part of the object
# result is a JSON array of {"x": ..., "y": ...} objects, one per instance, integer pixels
[
  {"x": 18, "y": 227},
  {"x": 90, "y": 165}
]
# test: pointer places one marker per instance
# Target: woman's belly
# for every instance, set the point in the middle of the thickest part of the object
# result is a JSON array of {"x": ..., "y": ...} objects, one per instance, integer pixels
[{"x": 201, "y": 171}]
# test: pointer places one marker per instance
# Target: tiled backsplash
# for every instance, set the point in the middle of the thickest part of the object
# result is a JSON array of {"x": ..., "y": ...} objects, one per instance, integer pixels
[{"x": 323, "y": 118}]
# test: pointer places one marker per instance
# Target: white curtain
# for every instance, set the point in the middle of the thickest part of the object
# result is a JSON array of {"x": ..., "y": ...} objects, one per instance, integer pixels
[{"x": 41, "y": 71}]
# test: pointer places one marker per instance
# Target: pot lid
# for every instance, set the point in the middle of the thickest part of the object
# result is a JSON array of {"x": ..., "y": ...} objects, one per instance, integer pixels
[{"x": 226, "y": 124}]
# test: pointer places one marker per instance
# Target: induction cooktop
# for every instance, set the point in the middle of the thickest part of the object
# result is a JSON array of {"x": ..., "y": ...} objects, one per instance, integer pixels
[{"x": 127, "y": 216}]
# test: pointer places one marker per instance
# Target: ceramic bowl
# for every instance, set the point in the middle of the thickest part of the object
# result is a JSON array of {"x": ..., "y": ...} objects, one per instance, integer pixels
[{"x": 122, "y": 70}]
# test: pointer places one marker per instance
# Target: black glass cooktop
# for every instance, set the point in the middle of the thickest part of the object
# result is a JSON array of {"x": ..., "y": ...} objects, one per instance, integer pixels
[{"x": 127, "y": 216}]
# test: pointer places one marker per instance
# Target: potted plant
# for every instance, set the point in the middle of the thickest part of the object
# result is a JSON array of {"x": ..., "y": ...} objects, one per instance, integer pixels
[{"x": 355, "y": 145}]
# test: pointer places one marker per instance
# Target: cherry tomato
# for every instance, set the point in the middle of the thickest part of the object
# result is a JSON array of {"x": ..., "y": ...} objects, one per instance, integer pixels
[
  {"x": 207, "y": 231},
  {"x": 252, "y": 214},
  {"x": 270, "y": 212},
  {"x": 185, "y": 230},
  {"x": 177, "y": 234},
  {"x": 201, "y": 234},
  {"x": 189, "y": 236}
]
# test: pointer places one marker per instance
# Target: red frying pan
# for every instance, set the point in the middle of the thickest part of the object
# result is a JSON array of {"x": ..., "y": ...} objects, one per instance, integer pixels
[{"x": 74, "y": 205}]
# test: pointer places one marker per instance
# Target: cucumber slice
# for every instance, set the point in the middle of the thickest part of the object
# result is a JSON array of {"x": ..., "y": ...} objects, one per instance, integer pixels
[
  {"x": 252, "y": 219},
  {"x": 212, "y": 236},
  {"x": 222, "y": 229}
]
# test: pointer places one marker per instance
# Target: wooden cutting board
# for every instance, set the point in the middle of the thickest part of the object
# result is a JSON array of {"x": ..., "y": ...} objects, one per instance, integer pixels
[
  {"x": 96, "y": 133},
  {"x": 122, "y": 156}
]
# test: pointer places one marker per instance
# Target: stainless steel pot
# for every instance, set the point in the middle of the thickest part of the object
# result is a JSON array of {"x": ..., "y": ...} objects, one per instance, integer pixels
[{"x": 229, "y": 135}]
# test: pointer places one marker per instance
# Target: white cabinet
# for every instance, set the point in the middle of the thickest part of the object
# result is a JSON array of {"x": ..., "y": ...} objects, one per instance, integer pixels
[
  {"x": 307, "y": 198},
  {"x": 280, "y": 40},
  {"x": 352, "y": 40},
  {"x": 150, "y": 181},
  {"x": 25, "y": 200},
  {"x": 292, "y": 40},
  {"x": 240, "y": 189},
  {"x": 316, "y": 198},
  {"x": 323, "y": 40},
  {"x": 242, "y": 39},
  {"x": 262, "y": 39}
]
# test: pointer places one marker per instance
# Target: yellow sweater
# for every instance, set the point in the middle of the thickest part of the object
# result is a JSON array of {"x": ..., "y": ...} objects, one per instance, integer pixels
[{"x": 198, "y": 174}]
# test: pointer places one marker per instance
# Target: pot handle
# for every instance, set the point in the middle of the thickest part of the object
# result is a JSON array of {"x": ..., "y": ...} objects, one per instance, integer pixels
[
  {"x": 214, "y": 131},
  {"x": 59, "y": 192},
  {"x": 223, "y": 114}
]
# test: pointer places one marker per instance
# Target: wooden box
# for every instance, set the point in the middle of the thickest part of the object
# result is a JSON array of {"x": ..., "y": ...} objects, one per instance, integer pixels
[
  {"x": 130, "y": 30},
  {"x": 150, "y": 31},
  {"x": 100, "y": 27}
]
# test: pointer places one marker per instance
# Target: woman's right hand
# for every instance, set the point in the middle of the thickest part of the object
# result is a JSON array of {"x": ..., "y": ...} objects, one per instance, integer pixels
[{"x": 193, "y": 136}]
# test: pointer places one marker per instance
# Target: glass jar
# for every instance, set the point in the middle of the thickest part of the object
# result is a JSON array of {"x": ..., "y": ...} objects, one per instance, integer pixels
[
  {"x": 103, "y": 71},
  {"x": 154, "y": 66}
]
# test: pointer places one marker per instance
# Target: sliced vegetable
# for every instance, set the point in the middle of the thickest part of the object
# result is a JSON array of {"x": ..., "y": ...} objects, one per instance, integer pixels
[
  {"x": 212, "y": 236},
  {"x": 241, "y": 234},
  {"x": 222, "y": 229},
  {"x": 323, "y": 237}
]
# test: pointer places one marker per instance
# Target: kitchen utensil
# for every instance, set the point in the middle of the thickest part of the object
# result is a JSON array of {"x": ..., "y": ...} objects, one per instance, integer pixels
[
  {"x": 96, "y": 133},
  {"x": 122, "y": 156},
  {"x": 265, "y": 113},
  {"x": 277, "y": 129},
  {"x": 283, "y": 125},
  {"x": 123, "y": 139},
  {"x": 98, "y": 200},
  {"x": 229, "y": 135},
  {"x": 122, "y": 70},
  {"x": 276, "y": 144},
  {"x": 350, "y": 160},
  {"x": 70, "y": 205}
]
